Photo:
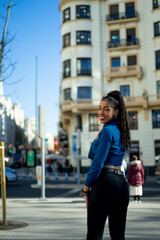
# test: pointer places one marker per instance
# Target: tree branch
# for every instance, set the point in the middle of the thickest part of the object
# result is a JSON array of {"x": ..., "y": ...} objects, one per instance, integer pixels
[
  {"x": 14, "y": 82},
  {"x": 3, "y": 35},
  {"x": 13, "y": 67}
]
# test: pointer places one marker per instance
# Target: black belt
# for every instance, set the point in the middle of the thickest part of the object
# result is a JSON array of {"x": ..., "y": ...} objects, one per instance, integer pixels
[{"x": 113, "y": 170}]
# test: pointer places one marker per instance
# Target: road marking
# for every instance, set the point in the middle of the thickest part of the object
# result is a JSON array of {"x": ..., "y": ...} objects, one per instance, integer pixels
[{"x": 71, "y": 192}]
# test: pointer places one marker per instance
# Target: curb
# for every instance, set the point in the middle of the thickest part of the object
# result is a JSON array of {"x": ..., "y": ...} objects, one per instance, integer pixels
[{"x": 60, "y": 186}]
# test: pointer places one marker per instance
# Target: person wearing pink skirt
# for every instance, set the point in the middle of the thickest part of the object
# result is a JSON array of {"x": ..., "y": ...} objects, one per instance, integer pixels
[{"x": 135, "y": 178}]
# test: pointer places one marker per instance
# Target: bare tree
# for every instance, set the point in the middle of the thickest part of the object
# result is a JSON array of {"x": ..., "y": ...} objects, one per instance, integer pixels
[{"x": 5, "y": 70}]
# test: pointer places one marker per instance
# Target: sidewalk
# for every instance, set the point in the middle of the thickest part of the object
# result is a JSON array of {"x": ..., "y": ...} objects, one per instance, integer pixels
[
  {"x": 62, "y": 218},
  {"x": 65, "y": 219}
]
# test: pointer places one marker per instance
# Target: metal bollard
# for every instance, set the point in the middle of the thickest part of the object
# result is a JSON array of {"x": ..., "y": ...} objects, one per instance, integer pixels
[
  {"x": 76, "y": 176},
  {"x": 17, "y": 173},
  {"x": 47, "y": 176},
  {"x": 30, "y": 175},
  {"x": 24, "y": 175},
  {"x": 56, "y": 176},
  {"x": 66, "y": 176}
]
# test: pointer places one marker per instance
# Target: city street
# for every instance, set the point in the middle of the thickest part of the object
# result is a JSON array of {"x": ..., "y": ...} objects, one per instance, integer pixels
[
  {"x": 27, "y": 189},
  {"x": 65, "y": 219},
  {"x": 62, "y": 216},
  {"x": 79, "y": 94}
]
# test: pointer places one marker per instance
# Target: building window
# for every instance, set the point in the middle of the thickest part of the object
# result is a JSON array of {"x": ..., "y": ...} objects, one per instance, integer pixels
[
  {"x": 158, "y": 87},
  {"x": 157, "y": 53},
  {"x": 82, "y": 11},
  {"x": 130, "y": 11},
  {"x": 115, "y": 62},
  {"x": 125, "y": 90},
  {"x": 114, "y": 15},
  {"x": 156, "y": 119},
  {"x": 83, "y": 37},
  {"x": 66, "y": 15},
  {"x": 133, "y": 120},
  {"x": 94, "y": 124},
  {"x": 67, "y": 94},
  {"x": 66, "y": 68},
  {"x": 157, "y": 152},
  {"x": 156, "y": 4},
  {"x": 79, "y": 123},
  {"x": 84, "y": 93},
  {"x": 131, "y": 36},
  {"x": 131, "y": 60},
  {"x": 157, "y": 29},
  {"x": 84, "y": 66},
  {"x": 66, "y": 40},
  {"x": 115, "y": 37}
]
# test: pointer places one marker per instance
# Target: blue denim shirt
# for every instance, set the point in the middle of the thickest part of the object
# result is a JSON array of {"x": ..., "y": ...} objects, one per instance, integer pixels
[{"x": 105, "y": 150}]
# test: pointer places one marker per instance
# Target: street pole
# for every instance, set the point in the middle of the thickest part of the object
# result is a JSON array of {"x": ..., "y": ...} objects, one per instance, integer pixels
[
  {"x": 36, "y": 98},
  {"x": 42, "y": 135},
  {"x": 78, "y": 166},
  {"x": 43, "y": 169},
  {"x": 3, "y": 183},
  {"x": 78, "y": 153}
]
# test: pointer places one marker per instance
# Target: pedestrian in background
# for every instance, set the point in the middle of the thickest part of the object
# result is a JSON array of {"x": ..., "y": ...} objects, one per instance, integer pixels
[
  {"x": 135, "y": 178},
  {"x": 106, "y": 190}
]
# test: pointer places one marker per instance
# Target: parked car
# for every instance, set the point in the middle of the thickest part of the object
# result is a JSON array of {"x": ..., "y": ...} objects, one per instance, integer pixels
[
  {"x": 11, "y": 175},
  {"x": 8, "y": 161}
]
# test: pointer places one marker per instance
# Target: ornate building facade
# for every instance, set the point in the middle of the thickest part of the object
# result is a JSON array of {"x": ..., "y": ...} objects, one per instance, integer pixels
[{"x": 108, "y": 45}]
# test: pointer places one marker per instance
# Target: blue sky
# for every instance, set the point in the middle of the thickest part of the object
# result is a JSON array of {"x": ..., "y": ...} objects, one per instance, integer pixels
[{"x": 36, "y": 24}]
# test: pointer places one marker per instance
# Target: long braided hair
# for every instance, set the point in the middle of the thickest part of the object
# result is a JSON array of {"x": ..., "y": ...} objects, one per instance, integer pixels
[{"x": 116, "y": 99}]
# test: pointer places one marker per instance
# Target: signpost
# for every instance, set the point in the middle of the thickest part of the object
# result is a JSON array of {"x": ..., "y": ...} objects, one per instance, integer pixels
[
  {"x": 42, "y": 135},
  {"x": 75, "y": 148},
  {"x": 38, "y": 173},
  {"x": 3, "y": 183}
]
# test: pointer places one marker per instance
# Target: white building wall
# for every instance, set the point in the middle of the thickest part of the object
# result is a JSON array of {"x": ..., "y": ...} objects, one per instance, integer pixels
[
  {"x": 101, "y": 57},
  {"x": 29, "y": 127}
]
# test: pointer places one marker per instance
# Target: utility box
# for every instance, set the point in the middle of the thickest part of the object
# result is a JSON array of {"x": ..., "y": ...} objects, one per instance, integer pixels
[{"x": 38, "y": 173}]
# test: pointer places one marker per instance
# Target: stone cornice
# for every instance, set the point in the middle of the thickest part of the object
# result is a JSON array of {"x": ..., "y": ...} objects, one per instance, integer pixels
[{"x": 63, "y": 2}]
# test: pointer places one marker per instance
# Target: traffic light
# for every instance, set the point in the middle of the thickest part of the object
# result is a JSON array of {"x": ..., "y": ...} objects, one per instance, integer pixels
[{"x": 10, "y": 150}]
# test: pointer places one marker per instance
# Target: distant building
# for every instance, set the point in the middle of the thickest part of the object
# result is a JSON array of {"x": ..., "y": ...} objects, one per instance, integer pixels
[
  {"x": 11, "y": 123},
  {"x": 108, "y": 45},
  {"x": 50, "y": 142},
  {"x": 29, "y": 129}
]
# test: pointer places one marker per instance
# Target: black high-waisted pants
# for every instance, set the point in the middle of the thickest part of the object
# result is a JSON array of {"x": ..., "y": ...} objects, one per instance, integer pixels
[{"x": 109, "y": 197}]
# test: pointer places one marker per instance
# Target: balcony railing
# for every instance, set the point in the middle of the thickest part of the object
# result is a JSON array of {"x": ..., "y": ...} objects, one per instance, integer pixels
[
  {"x": 135, "y": 101},
  {"x": 157, "y": 66},
  {"x": 79, "y": 104},
  {"x": 153, "y": 100},
  {"x": 66, "y": 45},
  {"x": 84, "y": 72},
  {"x": 80, "y": 16},
  {"x": 122, "y": 16},
  {"x": 156, "y": 5},
  {"x": 66, "y": 74},
  {"x": 134, "y": 70},
  {"x": 123, "y": 43},
  {"x": 66, "y": 19},
  {"x": 157, "y": 34},
  {"x": 84, "y": 42},
  {"x": 130, "y": 101}
]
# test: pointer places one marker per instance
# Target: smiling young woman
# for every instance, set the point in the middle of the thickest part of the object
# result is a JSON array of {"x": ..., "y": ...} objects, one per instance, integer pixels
[
  {"x": 106, "y": 190},
  {"x": 106, "y": 111}
]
